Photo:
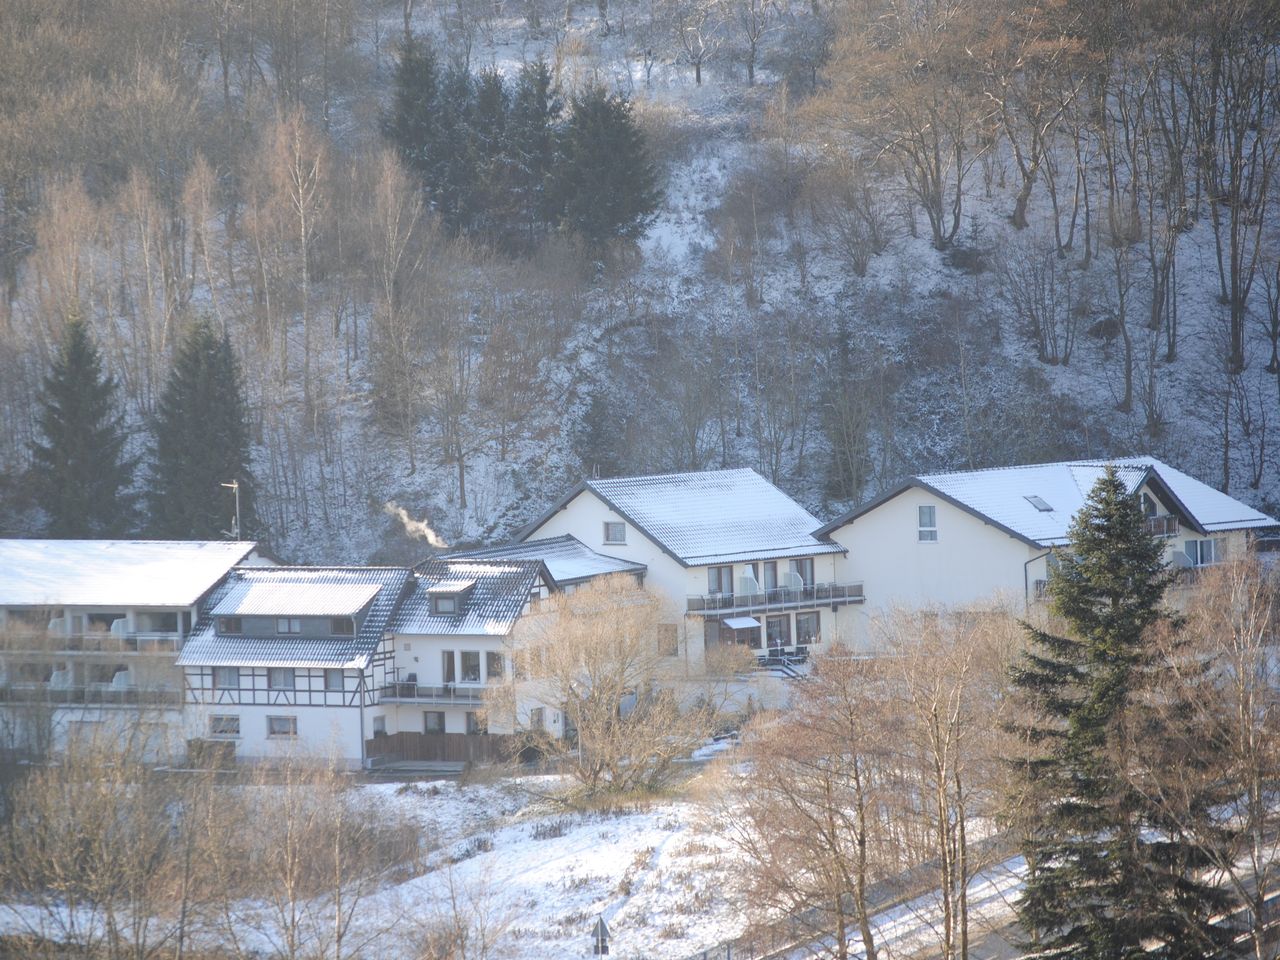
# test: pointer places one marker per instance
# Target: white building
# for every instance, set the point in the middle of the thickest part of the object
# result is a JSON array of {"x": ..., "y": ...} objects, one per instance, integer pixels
[
  {"x": 735, "y": 557},
  {"x": 454, "y": 640},
  {"x": 292, "y": 659},
  {"x": 569, "y": 561},
  {"x": 984, "y": 537},
  {"x": 91, "y": 633}
]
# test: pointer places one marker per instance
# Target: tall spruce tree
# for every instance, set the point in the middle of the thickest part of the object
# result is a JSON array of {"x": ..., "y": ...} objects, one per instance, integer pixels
[
  {"x": 411, "y": 124},
  {"x": 531, "y": 136},
  {"x": 1110, "y": 876},
  {"x": 80, "y": 473},
  {"x": 607, "y": 183},
  {"x": 201, "y": 442}
]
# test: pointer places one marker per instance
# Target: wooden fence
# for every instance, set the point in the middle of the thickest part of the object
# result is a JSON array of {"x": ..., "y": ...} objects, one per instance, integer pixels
[{"x": 440, "y": 747}]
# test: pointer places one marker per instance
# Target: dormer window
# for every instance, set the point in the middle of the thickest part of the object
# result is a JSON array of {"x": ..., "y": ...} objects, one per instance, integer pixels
[
  {"x": 615, "y": 532},
  {"x": 233, "y": 626},
  {"x": 342, "y": 626},
  {"x": 288, "y": 625},
  {"x": 449, "y": 597}
]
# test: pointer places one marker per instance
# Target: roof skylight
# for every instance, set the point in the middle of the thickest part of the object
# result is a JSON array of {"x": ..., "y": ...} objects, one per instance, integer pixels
[{"x": 1039, "y": 503}]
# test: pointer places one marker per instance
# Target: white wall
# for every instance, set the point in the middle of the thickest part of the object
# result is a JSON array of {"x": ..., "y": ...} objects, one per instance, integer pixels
[
  {"x": 324, "y": 733},
  {"x": 971, "y": 561},
  {"x": 585, "y": 516}
]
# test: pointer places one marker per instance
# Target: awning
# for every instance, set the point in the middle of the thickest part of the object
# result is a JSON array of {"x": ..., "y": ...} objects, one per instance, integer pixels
[{"x": 741, "y": 623}]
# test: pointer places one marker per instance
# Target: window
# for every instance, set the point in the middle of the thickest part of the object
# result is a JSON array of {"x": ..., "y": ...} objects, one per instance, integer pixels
[
  {"x": 280, "y": 678},
  {"x": 342, "y": 627},
  {"x": 710, "y": 633},
  {"x": 719, "y": 579},
  {"x": 807, "y": 628},
  {"x": 770, "y": 570},
  {"x": 380, "y": 726},
  {"x": 1148, "y": 505},
  {"x": 226, "y": 678},
  {"x": 928, "y": 517},
  {"x": 538, "y": 718},
  {"x": 615, "y": 532},
  {"x": 282, "y": 727},
  {"x": 475, "y": 723},
  {"x": 494, "y": 666},
  {"x": 444, "y": 604},
  {"x": 158, "y": 623},
  {"x": 233, "y": 626},
  {"x": 103, "y": 621},
  {"x": 1040, "y": 503},
  {"x": 804, "y": 569},
  {"x": 668, "y": 640},
  {"x": 1203, "y": 553},
  {"x": 470, "y": 666},
  {"x": 224, "y": 726},
  {"x": 333, "y": 681},
  {"x": 289, "y": 625},
  {"x": 778, "y": 631},
  {"x": 433, "y": 721}
]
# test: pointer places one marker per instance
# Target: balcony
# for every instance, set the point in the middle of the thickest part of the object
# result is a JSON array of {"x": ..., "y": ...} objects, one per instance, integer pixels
[
  {"x": 95, "y": 694},
  {"x": 147, "y": 644},
  {"x": 1166, "y": 526},
  {"x": 781, "y": 598},
  {"x": 449, "y": 694}
]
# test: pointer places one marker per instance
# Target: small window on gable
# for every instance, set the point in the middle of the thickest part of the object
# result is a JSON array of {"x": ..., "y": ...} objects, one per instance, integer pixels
[
  {"x": 342, "y": 626},
  {"x": 927, "y": 517},
  {"x": 615, "y": 532},
  {"x": 231, "y": 625},
  {"x": 1149, "y": 508}
]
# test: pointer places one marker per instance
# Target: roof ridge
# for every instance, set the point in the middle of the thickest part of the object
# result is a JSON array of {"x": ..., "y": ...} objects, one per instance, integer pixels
[{"x": 1089, "y": 462}]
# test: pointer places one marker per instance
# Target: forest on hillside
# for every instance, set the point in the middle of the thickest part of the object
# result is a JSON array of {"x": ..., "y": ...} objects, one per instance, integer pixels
[{"x": 466, "y": 252}]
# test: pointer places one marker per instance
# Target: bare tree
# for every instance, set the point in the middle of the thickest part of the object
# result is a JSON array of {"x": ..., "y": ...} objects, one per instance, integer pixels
[{"x": 599, "y": 656}]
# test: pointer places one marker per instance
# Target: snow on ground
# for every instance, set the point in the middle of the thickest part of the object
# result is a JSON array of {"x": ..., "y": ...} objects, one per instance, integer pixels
[{"x": 538, "y": 875}]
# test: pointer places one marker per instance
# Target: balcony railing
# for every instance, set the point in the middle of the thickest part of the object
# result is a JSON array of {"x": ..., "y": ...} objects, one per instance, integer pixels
[
  {"x": 144, "y": 643},
  {"x": 1166, "y": 526},
  {"x": 446, "y": 694},
  {"x": 720, "y": 603},
  {"x": 93, "y": 694}
]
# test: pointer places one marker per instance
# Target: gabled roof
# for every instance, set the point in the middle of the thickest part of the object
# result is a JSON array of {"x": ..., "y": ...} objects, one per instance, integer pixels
[
  {"x": 717, "y": 516},
  {"x": 287, "y": 588},
  {"x": 114, "y": 573},
  {"x": 1005, "y": 497},
  {"x": 567, "y": 558},
  {"x": 500, "y": 589}
]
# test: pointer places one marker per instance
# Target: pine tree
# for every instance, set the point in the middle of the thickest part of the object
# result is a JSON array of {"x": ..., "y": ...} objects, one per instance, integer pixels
[
  {"x": 1109, "y": 876},
  {"x": 607, "y": 183},
  {"x": 411, "y": 124},
  {"x": 531, "y": 144},
  {"x": 493, "y": 200},
  {"x": 201, "y": 442},
  {"x": 80, "y": 472}
]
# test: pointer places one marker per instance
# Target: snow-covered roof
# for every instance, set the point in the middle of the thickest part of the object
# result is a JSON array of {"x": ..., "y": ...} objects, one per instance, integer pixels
[
  {"x": 288, "y": 588},
  {"x": 1014, "y": 498},
  {"x": 500, "y": 590},
  {"x": 567, "y": 558},
  {"x": 114, "y": 573},
  {"x": 717, "y": 516},
  {"x": 250, "y": 599}
]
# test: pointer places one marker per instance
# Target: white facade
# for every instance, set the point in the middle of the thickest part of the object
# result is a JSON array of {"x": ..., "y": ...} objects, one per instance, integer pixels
[{"x": 602, "y": 528}]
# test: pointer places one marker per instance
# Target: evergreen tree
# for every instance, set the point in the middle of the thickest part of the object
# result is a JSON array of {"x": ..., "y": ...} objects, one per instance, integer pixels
[
  {"x": 493, "y": 200},
  {"x": 531, "y": 144},
  {"x": 607, "y": 183},
  {"x": 411, "y": 124},
  {"x": 201, "y": 442},
  {"x": 453, "y": 187},
  {"x": 1109, "y": 874},
  {"x": 79, "y": 471}
]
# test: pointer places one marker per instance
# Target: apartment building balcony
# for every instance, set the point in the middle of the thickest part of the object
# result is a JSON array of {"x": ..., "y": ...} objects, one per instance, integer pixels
[
  {"x": 94, "y": 694},
  {"x": 448, "y": 694},
  {"x": 780, "y": 598},
  {"x": 1166, "y": 526},
  {"x": 145, "y": 644}
]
